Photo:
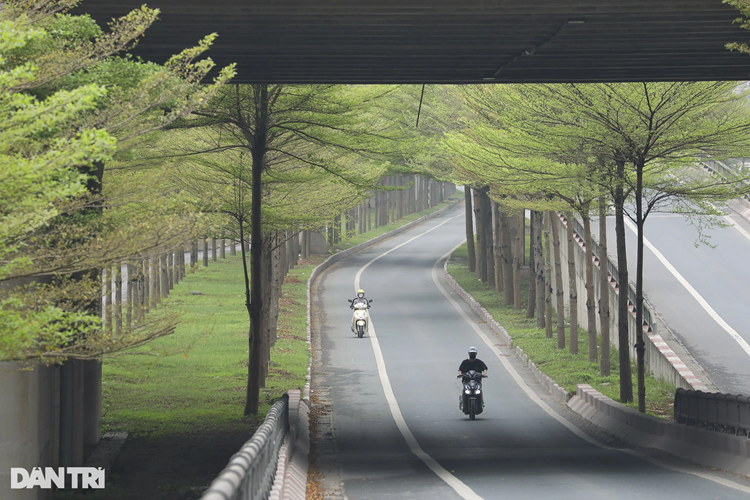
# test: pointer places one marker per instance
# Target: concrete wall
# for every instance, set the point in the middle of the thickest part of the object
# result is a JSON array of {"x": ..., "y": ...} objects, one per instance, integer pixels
[
  {"x": 708, "y": 448},
  {"x": 665, "y": 358},
  {"x": 318, "y": 244},
  {"x": 29, "y": 424}
]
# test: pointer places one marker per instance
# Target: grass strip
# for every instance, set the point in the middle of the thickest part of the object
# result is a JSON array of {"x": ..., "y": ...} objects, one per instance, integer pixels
[
  {"x": 567, "y": 369},
  {"x": 194, "y": 380}
]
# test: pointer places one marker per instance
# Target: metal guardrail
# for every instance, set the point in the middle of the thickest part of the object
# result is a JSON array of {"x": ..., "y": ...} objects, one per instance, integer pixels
[
  {"x": 728, "y": 169},
  {"x": 725, "y": 413},
  {"x": 250, "y": 472}
]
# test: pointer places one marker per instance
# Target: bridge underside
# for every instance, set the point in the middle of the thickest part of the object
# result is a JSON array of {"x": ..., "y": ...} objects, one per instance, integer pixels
[{"x": 450, "y": 41}]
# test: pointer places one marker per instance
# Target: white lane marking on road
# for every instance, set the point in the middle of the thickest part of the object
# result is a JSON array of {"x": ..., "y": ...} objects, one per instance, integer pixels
[
  {"x": 544, "y": 406},
  {"x": 737, "y": 227},
  {"x": 458, "y": 486},
  {"x": 692, "y": 291},
  {"x": 362, "y": 269}
]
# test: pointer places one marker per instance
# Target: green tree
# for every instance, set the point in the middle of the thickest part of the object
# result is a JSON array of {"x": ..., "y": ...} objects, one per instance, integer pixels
[
  {"x": 631, "y": 138},
  {"x": 331, "y": 129},
  {"x": 62, "y": 125}
]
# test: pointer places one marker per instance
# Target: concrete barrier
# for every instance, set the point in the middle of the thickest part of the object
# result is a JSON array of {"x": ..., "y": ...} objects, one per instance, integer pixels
[
  {"x": 29, "y": 434},
  {"x": 704, "y": 447}
]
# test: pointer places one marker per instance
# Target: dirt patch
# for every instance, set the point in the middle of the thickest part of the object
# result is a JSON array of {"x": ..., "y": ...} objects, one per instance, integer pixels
[
  {"x": 314, "y": 488},
  {"x": 283, "y": 373},
  {"x": 175, "y": 468},
  {"x": 292, "y": 279},
  {"x": 285, "y": 302},
  {"x": 662, "y": 409}
]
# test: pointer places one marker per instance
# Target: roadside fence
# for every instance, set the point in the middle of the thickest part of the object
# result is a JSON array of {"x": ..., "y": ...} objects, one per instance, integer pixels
[
  {"x": 725, "y": 413},
  {"x": 250, "y": 473}
]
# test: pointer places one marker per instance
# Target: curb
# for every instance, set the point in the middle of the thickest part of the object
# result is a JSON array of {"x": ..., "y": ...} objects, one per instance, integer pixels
[{"x": 292, "y": 465}]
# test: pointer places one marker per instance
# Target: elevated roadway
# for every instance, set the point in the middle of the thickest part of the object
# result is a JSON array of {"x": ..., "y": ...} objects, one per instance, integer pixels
[
  {"x": 449, "y": 41},
  {"x": 395, "y": 428},
  {"x": 701, "y": 293}
]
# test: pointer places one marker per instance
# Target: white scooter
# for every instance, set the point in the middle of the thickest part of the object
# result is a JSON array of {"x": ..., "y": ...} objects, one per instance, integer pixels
[{"x": 360, "y": 318}]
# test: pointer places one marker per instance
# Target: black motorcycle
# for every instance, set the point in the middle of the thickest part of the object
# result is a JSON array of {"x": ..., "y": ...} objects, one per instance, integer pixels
[{"x": 472, "y": 400}]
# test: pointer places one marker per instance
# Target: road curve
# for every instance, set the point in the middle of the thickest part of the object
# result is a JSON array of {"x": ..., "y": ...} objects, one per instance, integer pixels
[{"x": 515, "y": 449}]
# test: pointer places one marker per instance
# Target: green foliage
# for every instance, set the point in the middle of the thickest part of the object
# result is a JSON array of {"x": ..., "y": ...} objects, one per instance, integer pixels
[
  {"x": 69, "y": 107},
  {"x": 324, "y": 148},
  {"x": 542, "y": 142},
  {"x": 194, "y": 381},
  {"x": 744, "y": 20}
]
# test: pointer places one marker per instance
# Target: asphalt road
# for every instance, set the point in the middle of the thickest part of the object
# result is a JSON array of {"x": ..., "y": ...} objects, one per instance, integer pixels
[
  {"x": 396, "y": 430},
  {"x": 719, "y": 275}
]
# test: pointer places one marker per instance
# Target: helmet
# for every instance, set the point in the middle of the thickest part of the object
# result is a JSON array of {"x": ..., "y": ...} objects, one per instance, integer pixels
[
  {"x": 360, "y": 293},
  {"x": 472, "y": 352}
]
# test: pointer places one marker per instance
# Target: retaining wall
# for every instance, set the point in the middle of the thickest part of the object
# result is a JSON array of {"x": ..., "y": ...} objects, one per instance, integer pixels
[
  {"x": 709, "y": 448},
  {"x": 29, "y": 419}
]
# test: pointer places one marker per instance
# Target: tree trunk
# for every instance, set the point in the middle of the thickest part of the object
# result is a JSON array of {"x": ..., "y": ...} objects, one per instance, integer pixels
[
  {"x": 538, "y": 267},
  {"x": 213, "y": 249},
  {"x": 266, "y": 276},
  {"x": 336, "y": 229},
  {"x": 640, "y": 345},
  {"x": 573, "y": 286},
  {"x": 255, "y": 306},
  {"x": 626, "y": 380},
  {"x": 193, "y": 254},
  {"x": 590, "y": 300},
  {"x": 497, "y": 247},
  {"x": 505, "y": 243},
  {"x": 368, "y": 213},
  {"x": 163, "y": 276},
  {"x": 392, "y": 200},
  {"x": 481, "y": 255},
  {"x": 560, "y": 307},
  {"x": 384, "y": 206},
  {"x": 146, "y": 287},
  {"x": 488, "y": 241},
  {"x": 170, "y": 270},
  {"x": 469, "y": 230},
  {"x": 547, "y": 277},
  {"x": 517, "y": 260},
  {"x": 603, "y": 288},
  {"x": 531, "y": 305},
  {"x": 205, "y": 252},
  {"x": 118, "y": 297}
]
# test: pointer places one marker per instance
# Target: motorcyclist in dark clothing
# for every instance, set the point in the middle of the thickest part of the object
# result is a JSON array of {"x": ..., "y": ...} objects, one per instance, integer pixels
[{"x": 473, "y": 363}]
